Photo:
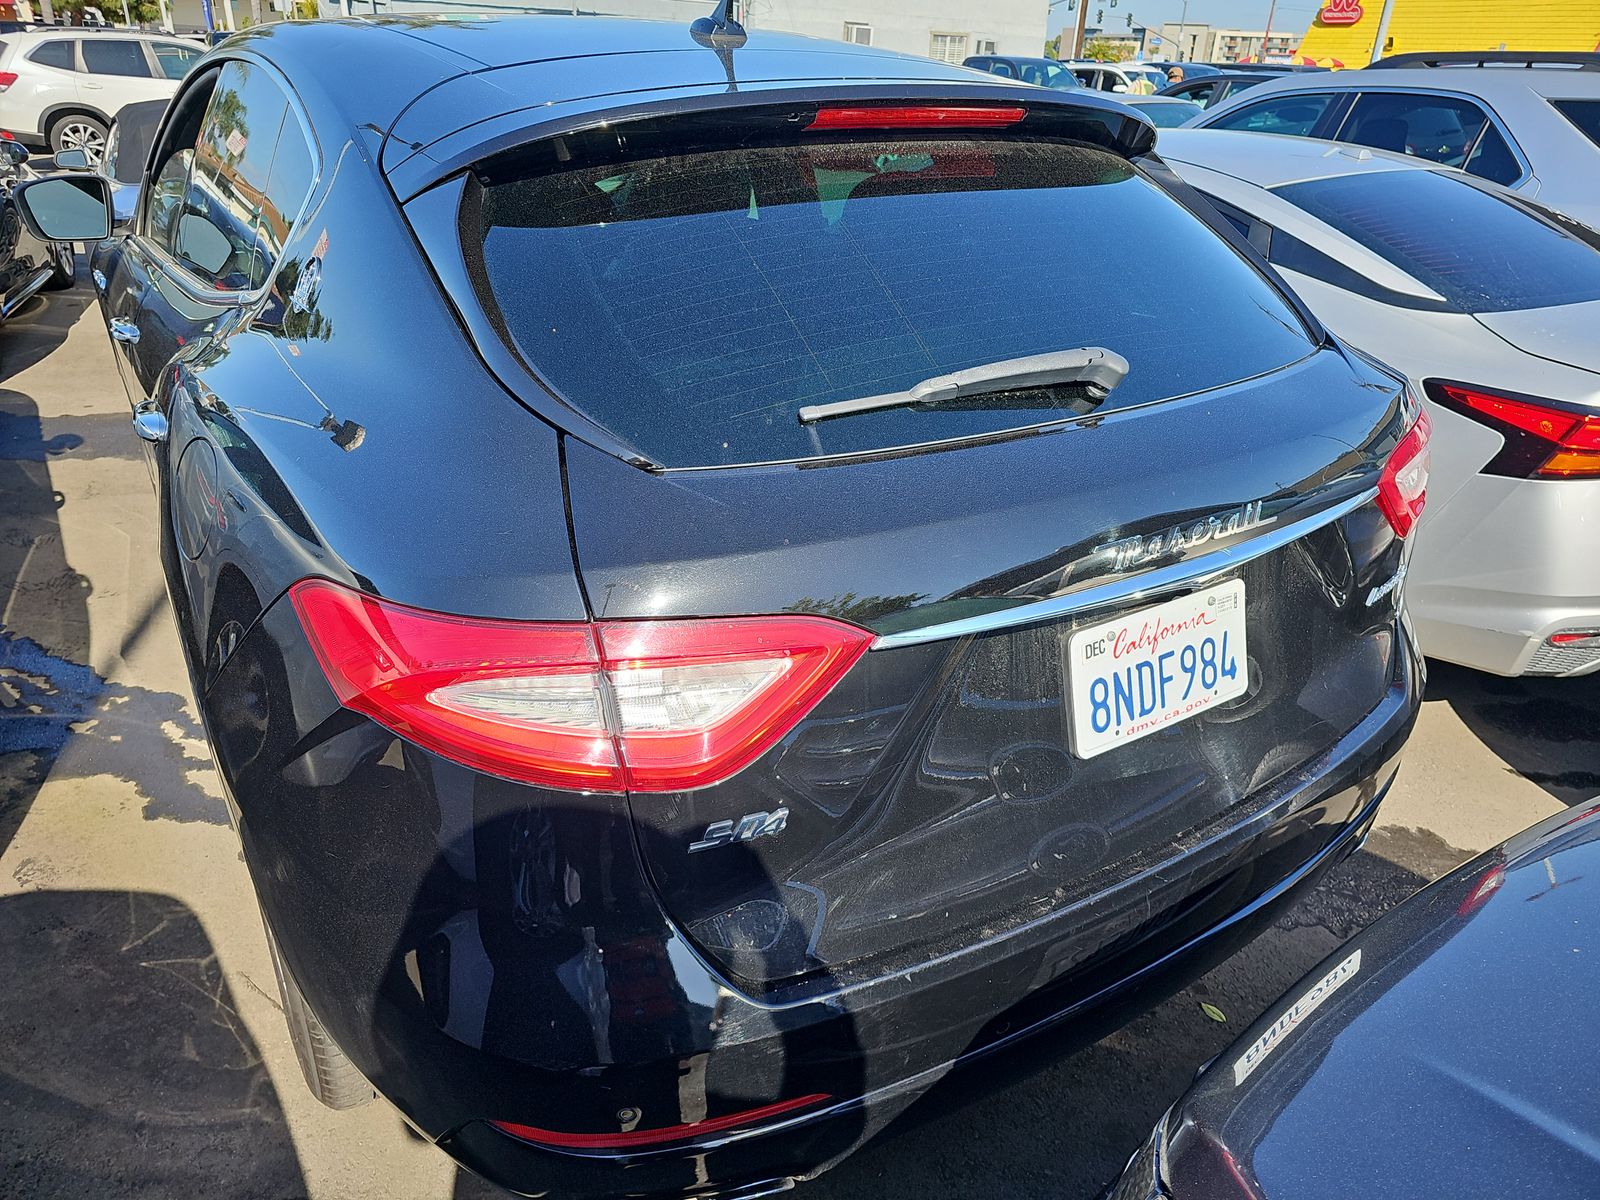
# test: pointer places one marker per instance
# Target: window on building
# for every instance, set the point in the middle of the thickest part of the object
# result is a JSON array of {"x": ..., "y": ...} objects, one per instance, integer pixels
[
  {"x": 857, "y": 33},
  {"x": 986, "y": 46},
  {"x": 948, "y": 47}
]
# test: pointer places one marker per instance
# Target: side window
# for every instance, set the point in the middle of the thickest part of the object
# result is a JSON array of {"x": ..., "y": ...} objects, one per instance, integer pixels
[
  {"x": 1002, "y": 68},
  {"x": 1201, "y": 93},
  {"x": 216, "y": 234},
  {"x": 173, "y": 59},
  {"x": 114, "y": 56},
  {"x": 58, "y": 54},
  {"x": 1441, "y": 129},
  {"x": 1492, "y": 159},
  {"x": 169, "y": 184},
  {"x": 1295, "y": 114},
  {"x": 288, "y": 185}
]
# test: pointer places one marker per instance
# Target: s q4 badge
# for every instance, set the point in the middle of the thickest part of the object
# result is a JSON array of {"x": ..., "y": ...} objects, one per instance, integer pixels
[{"x": 747, "y": 828}]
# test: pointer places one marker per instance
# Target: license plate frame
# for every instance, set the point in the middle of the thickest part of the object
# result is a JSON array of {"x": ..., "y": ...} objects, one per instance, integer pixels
[{"x": 1140, "y": 657}]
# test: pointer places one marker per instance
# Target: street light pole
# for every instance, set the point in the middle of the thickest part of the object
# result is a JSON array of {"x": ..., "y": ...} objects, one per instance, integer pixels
[
  {"x": 1271, "y": 12},
  {"x": 1081, "y": 24},
  {"x": 1183, "y": 28}
]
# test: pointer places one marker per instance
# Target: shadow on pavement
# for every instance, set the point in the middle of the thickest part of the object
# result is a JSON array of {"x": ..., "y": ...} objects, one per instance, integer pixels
[
  {"x": 32, "y": 334},
  {"x": 1546, "y": 730},
  {"x": 124, "y": 1067}
]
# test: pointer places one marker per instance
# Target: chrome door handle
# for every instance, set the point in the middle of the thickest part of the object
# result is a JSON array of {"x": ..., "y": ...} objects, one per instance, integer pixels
[
  {"x": 124, "y": 331},
  {"x": 149, "y": 422}
]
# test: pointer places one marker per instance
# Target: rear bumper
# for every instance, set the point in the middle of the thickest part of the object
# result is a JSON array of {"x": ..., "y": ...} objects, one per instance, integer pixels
[{"x": 877, "y": 1046}]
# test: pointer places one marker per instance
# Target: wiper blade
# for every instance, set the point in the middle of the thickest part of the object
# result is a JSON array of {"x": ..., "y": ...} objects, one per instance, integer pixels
[{"x": 1099, "y": 371}]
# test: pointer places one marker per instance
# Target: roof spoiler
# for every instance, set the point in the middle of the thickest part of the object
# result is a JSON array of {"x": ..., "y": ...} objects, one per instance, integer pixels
[{"x": 1485, "y": 58}]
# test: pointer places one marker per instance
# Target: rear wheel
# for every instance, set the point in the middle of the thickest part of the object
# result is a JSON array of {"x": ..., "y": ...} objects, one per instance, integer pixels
[
  {"x": 330, "y": 1075},
  {"x": 79, "y": 131}
]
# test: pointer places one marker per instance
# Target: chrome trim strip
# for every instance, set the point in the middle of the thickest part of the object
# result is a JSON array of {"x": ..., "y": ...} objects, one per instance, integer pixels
[
  {"x": 26, "y": 292},
  {"x": 1196, "y": 570}
]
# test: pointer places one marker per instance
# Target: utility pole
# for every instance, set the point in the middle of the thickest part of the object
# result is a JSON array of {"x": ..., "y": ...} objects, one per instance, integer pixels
[
  {"x": 1183, "y": 28},
  {"x": 1271, "y": 12},
  {"x": 1078, "y": 28},
  {"x": 1383, "y": 31}
]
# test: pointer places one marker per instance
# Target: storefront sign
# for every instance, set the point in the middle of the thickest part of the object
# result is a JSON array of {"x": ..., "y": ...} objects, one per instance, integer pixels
[{"x": 1341, "y": 12}]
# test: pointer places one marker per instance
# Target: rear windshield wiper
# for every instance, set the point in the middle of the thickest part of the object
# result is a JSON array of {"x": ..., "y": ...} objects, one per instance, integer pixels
[{"x": 1096, "y": 368}]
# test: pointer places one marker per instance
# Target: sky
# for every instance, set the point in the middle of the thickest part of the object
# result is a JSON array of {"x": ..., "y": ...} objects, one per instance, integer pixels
[{"x": 1293, "y": 16}]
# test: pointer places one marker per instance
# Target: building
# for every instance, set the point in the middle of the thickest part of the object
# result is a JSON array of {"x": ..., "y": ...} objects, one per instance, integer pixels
[
  {"x": 948, "y": 30},
  {"x": 1239, "y": 45},
  {"x": 1185, "y": 41},
  {"x": 1356, "y": 31}
]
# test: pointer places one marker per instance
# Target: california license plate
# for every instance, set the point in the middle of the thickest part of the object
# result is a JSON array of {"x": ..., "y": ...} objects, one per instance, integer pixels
[{"x": 1130, "y": 677}]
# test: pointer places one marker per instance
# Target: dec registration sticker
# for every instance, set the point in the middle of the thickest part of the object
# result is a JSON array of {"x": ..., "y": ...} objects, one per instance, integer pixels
[{"x": 1132, "y": 676}]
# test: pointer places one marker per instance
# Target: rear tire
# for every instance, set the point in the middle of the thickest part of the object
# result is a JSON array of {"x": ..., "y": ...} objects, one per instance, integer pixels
[
  {"x": 331, "y": 1076},
  {"x": 79, "y": 131}
]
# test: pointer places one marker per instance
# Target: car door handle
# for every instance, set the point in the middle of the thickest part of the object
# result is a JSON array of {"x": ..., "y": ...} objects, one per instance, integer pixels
[
  {"x": 124, "y": 331},
  {"x": 149, "y": 422},
  {"x": 93, "y": 87}
]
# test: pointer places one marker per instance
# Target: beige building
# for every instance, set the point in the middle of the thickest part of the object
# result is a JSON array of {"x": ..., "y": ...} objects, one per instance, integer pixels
[{"x": 1202, "y": 43}]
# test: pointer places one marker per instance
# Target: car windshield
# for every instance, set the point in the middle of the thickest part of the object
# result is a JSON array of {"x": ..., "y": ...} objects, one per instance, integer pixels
[
  {"x": 694, "y": 304},
  {"x": 1170, "y": 113},
  {"x": 1481, "y": 252}
]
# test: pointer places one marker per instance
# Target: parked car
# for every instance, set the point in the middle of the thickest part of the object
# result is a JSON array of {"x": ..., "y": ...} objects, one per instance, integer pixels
[
  {"x": 1118, "y": 77},
  {"x": 1433, "y": 1055},
  {"x": 29, "y": 263},
  {"x": 1041, "y": 72},
  {"x": 1528, "y": 121},
  {"x": 1211, "y": 90},
  {"x": 128, "y": 144},
  {"x": 60, "y": 87},
  {"x": 1164, "y": 112},
  {"x": 689, "y": 663},
  {"x": 1489, "y": 305}
]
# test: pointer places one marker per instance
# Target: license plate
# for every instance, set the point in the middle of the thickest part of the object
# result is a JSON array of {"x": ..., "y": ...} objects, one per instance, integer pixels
[{"x": 1130, "y": 677}]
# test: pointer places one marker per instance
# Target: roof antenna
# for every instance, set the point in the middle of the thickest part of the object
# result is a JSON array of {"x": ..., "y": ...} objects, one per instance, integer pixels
[{"x": 721, "y": 33}]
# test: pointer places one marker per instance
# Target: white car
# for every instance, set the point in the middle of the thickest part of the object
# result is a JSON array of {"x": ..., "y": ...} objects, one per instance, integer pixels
[
  {"x": 1118, "y": 76},
  {"x": 1488, "y": 304},
  {"x": 61, "y": 88}
]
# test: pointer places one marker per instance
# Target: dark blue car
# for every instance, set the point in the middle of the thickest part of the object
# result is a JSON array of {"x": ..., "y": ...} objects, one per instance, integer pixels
[{"x": 697, "y": 643}]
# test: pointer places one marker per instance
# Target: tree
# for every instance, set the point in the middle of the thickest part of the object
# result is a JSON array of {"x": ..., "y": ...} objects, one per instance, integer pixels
[
  {"x": 1052, "y": 48},
  {"x": 1103, "y": 51}
]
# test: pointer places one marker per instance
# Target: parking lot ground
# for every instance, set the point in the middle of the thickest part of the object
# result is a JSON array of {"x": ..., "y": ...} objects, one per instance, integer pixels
[{"x": 142, "y": 1053}]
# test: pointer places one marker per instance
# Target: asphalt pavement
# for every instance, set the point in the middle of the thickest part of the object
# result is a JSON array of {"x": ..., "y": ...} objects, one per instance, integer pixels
[{"x": 142, "y": 1051}]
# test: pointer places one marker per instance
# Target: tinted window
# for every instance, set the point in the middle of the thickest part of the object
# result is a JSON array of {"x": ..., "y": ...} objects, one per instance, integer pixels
[
  {"x": 163, "y": 202},
  {"x": 216, "y": 237},
  {"x": 1478, "y": 251},
  {"x": 1048, "y": 74},
  {"x": 1200, "y": 93},
  {"x": 1440, "y": 129},
  {"x": 1169, "y": 115},
  {"x": 174, "y": 58},
  {"x": 1492, "y": 158},
  {"x": 54, "y": 54},
  {"x": 1585, "y": 114},
  {"x": 695, "y": 303},
  {"x": 114, "y": 56},
  {"x": 287, "y": 188},
  {"x": 1295, "y": 114}
]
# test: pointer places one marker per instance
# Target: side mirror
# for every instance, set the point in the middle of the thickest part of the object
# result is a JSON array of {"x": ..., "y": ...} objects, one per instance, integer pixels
[
  {"x": 65, "y": 208},
  {"x": 71, "y": 160},
  {"x": 15, "y": 152}
]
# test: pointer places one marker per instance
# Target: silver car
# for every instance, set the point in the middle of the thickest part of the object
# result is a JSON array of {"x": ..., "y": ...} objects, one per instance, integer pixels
[
  {"x": 1489, "y": 305},
  {"x": 1528, "y": 121}
]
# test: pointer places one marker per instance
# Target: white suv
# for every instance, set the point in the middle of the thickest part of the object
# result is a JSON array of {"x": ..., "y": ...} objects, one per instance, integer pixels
[{"x": 61, "y": 87}]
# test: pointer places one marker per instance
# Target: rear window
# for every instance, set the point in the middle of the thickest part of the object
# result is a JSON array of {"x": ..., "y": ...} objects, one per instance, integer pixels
[
  {"x": 1480, "y": 252},
  {"x": 693, "y": 304},
  {"x": 1585, "y": 114}
]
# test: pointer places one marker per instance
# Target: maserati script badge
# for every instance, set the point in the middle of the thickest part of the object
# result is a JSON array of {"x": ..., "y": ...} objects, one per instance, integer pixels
[{"x": 1129, "y": 552}]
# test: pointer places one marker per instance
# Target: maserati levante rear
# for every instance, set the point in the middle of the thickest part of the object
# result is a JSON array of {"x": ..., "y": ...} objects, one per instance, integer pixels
[{"x": 709, "y": 614}]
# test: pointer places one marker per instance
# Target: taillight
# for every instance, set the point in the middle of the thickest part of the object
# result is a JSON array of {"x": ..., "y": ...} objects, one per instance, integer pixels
[
  {"x": 1487, "y": 885},
  {"x": 659, "y": 1135},
  {"x": 1581, "y": 639},
  {"x": 1544, "y": 440},
  {"x": 1403, "y": 485},
  {"x": 650, "y": 706},
  {"x": 7, "y": 78},
  {"x": 918, "y": 116}
]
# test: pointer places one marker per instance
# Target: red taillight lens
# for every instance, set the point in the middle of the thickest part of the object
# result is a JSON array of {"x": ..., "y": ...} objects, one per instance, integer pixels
[
  {"x": 1488, "y": 884},
  {"x": 1403, "y": 486},
  {"x": 921, "y": 116},
  {"x": 7, "y": 78},
  {"x": 649, "y": 706},
  {"x": 661, "y": 1134},
  {"x": 1543, "y": 440}
]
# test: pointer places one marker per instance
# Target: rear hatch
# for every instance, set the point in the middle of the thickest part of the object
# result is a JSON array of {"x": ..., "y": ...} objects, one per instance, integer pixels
[{"x": 692, "y": 302}]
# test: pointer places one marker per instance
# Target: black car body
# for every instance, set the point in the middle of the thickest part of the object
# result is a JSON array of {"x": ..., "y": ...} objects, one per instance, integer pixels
[
  {"x": 495, "y": 410},
  {"x": 1432, "y": 1055},
  {"x": 28, "y": 263}
]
